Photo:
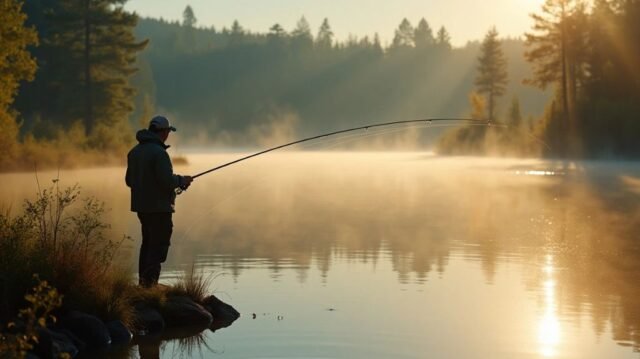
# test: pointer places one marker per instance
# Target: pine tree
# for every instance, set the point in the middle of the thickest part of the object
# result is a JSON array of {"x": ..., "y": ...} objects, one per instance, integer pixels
[
  {"x": 186, "y": 39},
  {"x": 277, "y": 31},
  {"x": 324, "y": 40},
  {"x": 404, "y": 35},
  {"x": 237, "y": 34},
  {"x": 557, "y": 53},
  {"x": 188, "y": 17},
  {"x": 443, "y": 39},
  {"x": 16, "y": 65},
  {"x": 491, "y": 79},
  {"x": 423, "y": 35},
  {"x": 276, "y": 36},
  {"x": 301, "y": 37},
  {"x": 91, "y": 51},
  {"x": 377, "y": 46},
  {"x": 515, "y": 115}
]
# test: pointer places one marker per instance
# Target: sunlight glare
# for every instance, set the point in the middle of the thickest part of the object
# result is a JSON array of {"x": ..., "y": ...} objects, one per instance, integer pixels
[{"x": 549, "y": 326}]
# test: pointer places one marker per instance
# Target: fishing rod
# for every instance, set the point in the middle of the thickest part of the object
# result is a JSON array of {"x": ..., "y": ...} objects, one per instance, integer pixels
[{"x": 384, "y": 124}]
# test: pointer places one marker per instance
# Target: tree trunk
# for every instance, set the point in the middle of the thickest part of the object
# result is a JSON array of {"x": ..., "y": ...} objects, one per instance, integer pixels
[
  {"x": 88, "y": 120},
  {"x": 564, "y": 82},
  {"x": 491, "y": 106}
]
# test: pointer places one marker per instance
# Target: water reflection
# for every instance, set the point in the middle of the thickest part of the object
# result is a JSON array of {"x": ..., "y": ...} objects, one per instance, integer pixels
[
  {"x": 419, "y": 226},
  {"x": 549, "y": 327}
]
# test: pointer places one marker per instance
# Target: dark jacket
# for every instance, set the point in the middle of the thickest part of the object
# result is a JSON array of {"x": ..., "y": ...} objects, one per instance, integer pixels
[{"x": 150, "y": 175}]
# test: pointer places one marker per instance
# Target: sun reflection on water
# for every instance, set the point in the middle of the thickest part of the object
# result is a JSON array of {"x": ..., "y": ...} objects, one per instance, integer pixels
[{"x": 549, "y": 333}]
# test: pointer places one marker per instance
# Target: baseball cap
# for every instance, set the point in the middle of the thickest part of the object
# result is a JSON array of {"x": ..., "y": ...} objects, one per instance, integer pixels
[{"x": 161, "y": 123}]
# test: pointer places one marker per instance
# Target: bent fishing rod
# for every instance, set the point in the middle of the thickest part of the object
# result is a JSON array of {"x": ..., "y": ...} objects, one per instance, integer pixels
[{"x": 375, "y": 125}]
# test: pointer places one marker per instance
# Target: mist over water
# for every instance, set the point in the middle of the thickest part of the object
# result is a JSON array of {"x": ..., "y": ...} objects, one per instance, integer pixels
[{"x": 400, "y": 254}]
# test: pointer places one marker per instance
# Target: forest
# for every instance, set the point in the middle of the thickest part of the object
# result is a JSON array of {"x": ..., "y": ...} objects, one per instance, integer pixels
[{"x": 79, "y": 77}]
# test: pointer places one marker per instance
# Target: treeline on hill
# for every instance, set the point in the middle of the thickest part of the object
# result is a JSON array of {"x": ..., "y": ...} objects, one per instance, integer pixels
[
  {"x": 96, "y": 71},
  {"x": 590, "y": 55},
  {"x": 222, "y": 84}
]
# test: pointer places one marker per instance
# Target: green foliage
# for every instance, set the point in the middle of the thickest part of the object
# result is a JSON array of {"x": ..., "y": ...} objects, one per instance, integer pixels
[
  {"x": 423, "y": 35},
  {"x": 324, "y": 40},
  {"x": 592, "y": 57},
  {"x": 508, "y": 138},
  {"x": 189, "y": 17},
  {"x": 443, "y": 39},
  {"x": 557, "y": 52},
  {"x": 491, "y": 79},
  {"x": 95, "y": 39},
  {"x": 220, "y": 91},
  {"x": 404, "y": 36},
  {"x": 16, "y": 339},
  {"x": 514, "y": 119},
  {"x": 16, "y": 65}
]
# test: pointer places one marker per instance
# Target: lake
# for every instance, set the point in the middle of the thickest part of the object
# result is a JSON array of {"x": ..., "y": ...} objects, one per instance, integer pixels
[{"x": 399, "y": 254}]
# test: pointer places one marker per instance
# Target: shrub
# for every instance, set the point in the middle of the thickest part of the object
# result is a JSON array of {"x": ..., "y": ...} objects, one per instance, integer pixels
[
  {"x": 60, "y": 236},
  {"x": 17, "y": 339}
]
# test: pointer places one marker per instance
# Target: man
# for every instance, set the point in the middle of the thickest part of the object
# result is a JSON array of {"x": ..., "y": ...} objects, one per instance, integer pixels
[{"x": 153, "y": 183}]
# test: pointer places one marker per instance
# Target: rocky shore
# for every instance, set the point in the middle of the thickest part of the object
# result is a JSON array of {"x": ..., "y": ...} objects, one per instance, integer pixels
[{"x": 77, "y": 333}]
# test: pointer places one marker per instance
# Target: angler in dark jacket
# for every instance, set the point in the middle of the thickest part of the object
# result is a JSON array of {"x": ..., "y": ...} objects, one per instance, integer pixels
[{"x": 152, "y": 181}]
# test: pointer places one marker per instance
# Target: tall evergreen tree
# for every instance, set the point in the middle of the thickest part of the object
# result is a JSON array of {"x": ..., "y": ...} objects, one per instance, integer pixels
[
  {"x": 324, "y": 40},
  {"x": 377, "y": 46},
  {"x": 404, "y": 35},
  {"x": 237, "y": 34},
  {"x": 491, "y": 80},
  {"x": 277, "y": 31},
  {"x": 301, "y": 36},
  {"x": 556, "y": 50},
  {"x": 515, "y": 115},
  {"x": 189, "y": 17},
  {"x": 276, "y": 36},
  {"x": 443, "y": 39},
  {"x": 16, "y": 65},
  {"x": 90, "y": 55},
  {"x": 186, "y": 39},
  {"x": 423, "y": 35}
]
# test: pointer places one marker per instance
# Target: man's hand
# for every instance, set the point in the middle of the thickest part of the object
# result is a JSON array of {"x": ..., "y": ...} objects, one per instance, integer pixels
[{"x": 185, "y": 182}]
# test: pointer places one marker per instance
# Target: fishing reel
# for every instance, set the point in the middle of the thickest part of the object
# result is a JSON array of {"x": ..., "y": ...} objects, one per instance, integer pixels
[{"x": 183, "y": 187}]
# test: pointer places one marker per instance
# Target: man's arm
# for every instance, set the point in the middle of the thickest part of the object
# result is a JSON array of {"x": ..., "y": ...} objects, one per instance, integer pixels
[
  {"x": 164, "y": 172},
  {"x": 127, "y": 177}
]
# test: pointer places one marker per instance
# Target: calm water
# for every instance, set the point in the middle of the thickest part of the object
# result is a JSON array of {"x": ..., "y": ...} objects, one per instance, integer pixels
[{"x": 401, "y": 255}]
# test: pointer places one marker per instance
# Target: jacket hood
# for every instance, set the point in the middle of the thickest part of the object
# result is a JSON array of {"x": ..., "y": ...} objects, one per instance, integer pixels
[{"x": 146, "y": 136}]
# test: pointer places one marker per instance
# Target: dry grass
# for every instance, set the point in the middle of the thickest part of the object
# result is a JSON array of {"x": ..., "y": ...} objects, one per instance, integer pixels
[
  {"x": 192, "y": 284},
  {"x": 179, "y": 160},
  {"x": 60, "y": 237}
]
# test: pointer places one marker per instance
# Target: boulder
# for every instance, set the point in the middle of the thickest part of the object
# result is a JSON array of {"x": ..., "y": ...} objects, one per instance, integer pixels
[
  {"x": 221, "y": 311},
  {"x": 181, "y": 311},
  {"x": 74, "y": 339},
  {"x": 88, "y": 328},
  {"x": 52, "y": 344},
  {"x": 148, "y": 320},
  {"x": 119, "y": 333}
]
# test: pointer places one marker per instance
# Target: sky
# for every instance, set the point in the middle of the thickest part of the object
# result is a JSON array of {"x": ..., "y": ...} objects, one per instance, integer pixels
[{"x": 466, "y": 20}]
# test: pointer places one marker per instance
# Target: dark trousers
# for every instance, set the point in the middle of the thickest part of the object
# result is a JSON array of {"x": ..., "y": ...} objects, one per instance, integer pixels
[{"x": 156, "y": 239}]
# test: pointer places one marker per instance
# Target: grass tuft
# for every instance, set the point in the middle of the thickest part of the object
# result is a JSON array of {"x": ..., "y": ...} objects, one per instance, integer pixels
[{"x": 192, "y": 284}]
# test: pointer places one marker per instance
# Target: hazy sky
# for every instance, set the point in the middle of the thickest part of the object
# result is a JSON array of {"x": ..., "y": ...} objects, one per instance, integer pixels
[{"x": 465, "y": 19}]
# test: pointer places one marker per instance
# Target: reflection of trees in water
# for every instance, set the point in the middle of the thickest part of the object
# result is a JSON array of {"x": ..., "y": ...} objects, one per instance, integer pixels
[
  {"x": 587, "y": 220},
  {"x": 589, "y": 225},
  {"x": 320, "y": 219}
]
